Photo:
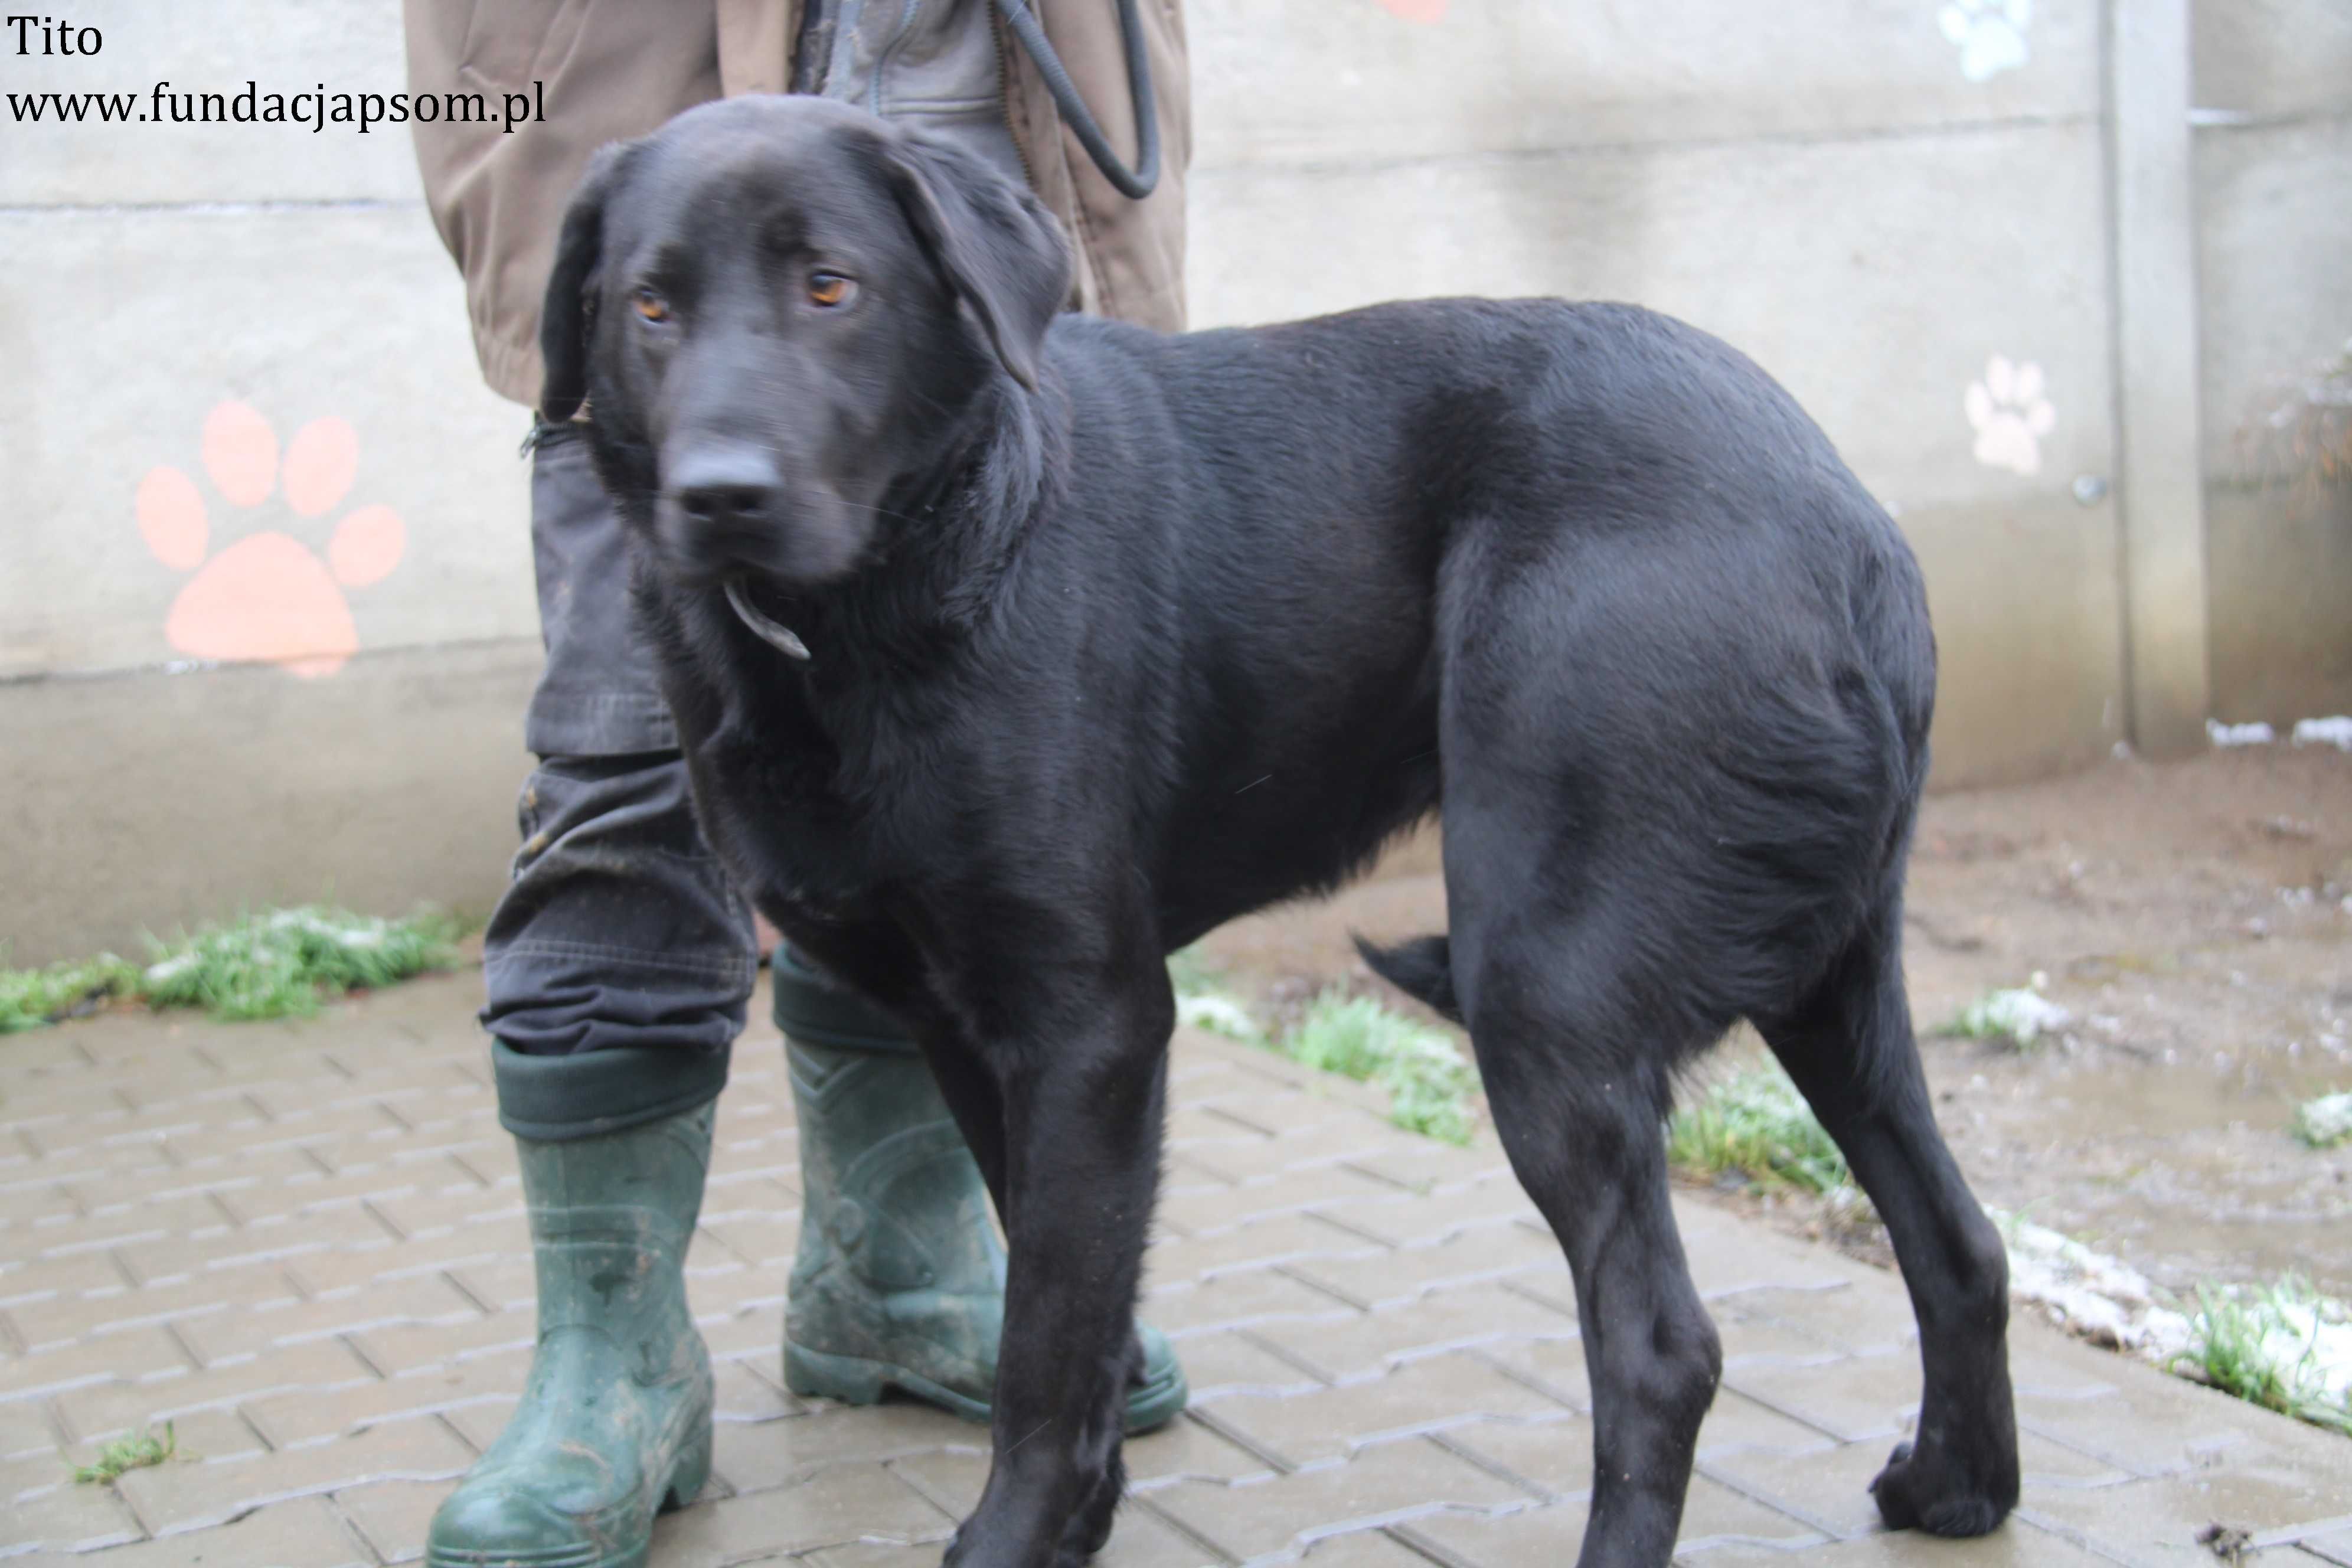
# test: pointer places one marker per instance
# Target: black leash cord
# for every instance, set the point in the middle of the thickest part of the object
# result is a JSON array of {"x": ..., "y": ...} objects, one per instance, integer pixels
[{"x": 1138, "y": 182}]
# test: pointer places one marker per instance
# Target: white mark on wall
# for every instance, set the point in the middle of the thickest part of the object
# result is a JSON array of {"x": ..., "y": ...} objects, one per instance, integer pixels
[
  {"x": 1989, "y": 34},
  {"x": 2010, "y": 414}
]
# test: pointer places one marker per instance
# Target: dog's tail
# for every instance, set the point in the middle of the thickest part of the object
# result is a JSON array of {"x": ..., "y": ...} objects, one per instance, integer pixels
[{"x": 1423, "y": 969}]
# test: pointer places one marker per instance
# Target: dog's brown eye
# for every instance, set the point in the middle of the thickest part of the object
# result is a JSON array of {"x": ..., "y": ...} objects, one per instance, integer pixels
[
  {"x": 650, "y": 305},
  {"x": 829, "y": 289}
]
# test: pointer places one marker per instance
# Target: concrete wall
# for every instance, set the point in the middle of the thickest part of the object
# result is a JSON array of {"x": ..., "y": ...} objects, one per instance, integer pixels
[
  {"x": 265, "y": 620},
  {"x": 1826, "y": 186},
  {"x": 2274, "y": 173}
]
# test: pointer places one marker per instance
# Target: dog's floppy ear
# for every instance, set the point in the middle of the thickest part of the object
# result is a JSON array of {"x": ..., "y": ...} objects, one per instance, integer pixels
[
  {"x": 995, "y": 243},
  {"x": 569, "y": 314}
]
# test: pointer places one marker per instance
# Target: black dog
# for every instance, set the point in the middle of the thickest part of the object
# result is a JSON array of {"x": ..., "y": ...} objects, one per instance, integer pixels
[{"x": 1011, "y": 650}]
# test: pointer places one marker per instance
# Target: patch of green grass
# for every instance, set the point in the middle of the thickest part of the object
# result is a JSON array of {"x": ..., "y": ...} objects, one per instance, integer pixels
[
  {"x": 134, "y": 1453},
  {"x": 1429, "y": 1082},
  {"x": 283, "y": 963},
  {"x": 1755, "y": 1124},
  {"x": 274, "y": 965},
  {"x": 2284, "y": 1347},
  {"x": 32, "y": 998},
  {"x": 2325, "y": 1121}
]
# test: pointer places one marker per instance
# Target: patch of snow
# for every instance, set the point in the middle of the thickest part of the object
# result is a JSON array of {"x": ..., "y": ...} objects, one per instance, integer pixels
[
  {"x": 2239, "y": 734},
  {"x": 1217, "y": 1015},
  {"x": 2022, "y": 1013},
  {"x": 2303, "y": 1338},
  {"x": 2307, "y": 1337},
  {"x": 2311, "y": 1336},
  {"x": 2324, "y": 1121},
  {"x": 2335, "y": 731},
  {"x": 2099, "y": 1298},
  {"x": 170, "y": 969}
]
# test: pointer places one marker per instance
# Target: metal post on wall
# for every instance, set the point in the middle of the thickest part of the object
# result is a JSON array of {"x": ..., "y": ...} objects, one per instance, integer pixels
[{"x": 2160, "y": 490}]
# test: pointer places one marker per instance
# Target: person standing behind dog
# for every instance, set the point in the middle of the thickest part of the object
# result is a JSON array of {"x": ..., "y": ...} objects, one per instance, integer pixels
[{"x": 620, "y": 962}]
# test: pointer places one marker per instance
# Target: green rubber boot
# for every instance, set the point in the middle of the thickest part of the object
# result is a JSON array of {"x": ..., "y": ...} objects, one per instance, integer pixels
[
  {"x": 900, "y": 1281},
  {"x": 614, "y": 1422}
]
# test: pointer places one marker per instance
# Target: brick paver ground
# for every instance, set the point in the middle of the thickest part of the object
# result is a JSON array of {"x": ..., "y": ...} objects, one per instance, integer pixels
[{"x": 303, "y": 1245}]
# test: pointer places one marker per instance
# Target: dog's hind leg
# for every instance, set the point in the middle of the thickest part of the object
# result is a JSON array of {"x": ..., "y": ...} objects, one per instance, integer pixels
[
  {"x": 1577, "y": 1081},
  {"x": 1849, "y": 1047}
]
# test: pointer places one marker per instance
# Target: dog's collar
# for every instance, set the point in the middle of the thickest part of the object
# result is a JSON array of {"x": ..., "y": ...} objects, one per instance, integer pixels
[{"x": 768, "y": 630}]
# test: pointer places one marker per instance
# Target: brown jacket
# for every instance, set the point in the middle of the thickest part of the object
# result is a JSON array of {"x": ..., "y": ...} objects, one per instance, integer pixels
[{"x": 617, "y": 69}]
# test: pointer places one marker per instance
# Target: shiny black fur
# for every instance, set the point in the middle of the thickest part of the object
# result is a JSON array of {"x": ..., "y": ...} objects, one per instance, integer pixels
[{"x": 1116, "y": 636}]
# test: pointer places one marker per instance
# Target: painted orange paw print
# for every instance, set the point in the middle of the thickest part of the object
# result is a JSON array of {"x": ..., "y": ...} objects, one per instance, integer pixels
[{"x": 268, "y": 598}]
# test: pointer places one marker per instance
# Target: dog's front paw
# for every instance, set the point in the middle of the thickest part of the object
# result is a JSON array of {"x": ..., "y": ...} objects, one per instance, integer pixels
[
  {"x": 1075, "y": 1551},
  {"x": 1083, "y": 1536},
  {"x": 1929, "y": 1491}
]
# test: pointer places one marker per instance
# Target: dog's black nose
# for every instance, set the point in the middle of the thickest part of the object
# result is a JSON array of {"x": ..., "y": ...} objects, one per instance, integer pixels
[{"x": 722, "y": 484}]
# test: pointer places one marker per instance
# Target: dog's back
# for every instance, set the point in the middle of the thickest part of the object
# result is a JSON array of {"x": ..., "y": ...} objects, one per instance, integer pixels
[{"x": 1587, "y": 534}]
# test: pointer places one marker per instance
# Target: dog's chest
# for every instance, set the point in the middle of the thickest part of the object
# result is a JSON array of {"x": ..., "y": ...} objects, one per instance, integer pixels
[
  {"x": 792, "y": 842},
  {"x": 806, "y": 827}
]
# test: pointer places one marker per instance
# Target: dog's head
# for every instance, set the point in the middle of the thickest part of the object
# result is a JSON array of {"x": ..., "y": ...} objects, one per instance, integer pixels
[{"x": 781, "y": 310}]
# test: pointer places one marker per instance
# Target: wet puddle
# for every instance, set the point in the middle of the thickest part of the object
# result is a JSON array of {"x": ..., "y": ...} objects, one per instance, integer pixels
[{"x": 2188, "y": 1169}]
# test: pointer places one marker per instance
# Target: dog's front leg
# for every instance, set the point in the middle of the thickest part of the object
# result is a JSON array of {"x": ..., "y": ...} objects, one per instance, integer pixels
[{"x": 1082, "y": 1123}]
